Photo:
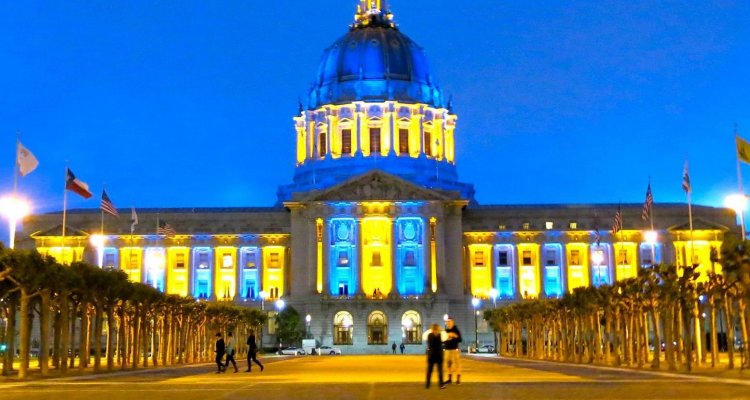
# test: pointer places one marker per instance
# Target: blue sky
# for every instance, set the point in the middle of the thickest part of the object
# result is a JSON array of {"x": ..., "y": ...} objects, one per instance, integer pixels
[{"x": 190, "y": 103}]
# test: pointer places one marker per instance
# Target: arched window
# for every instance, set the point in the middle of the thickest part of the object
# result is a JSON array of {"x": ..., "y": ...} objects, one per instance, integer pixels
[
  {"x": 322, "y": 145},
  {"x": 343, "y": 327},
  {"x": 377, "y": 328},
  {"x": 411, "y": 326}
]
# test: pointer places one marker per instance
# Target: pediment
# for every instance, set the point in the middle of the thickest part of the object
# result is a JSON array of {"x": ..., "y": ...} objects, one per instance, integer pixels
[
  {"x": 376, "y": 186},
  {"x": 57, "y": 231},
  {"x": 698, "y": 224}
]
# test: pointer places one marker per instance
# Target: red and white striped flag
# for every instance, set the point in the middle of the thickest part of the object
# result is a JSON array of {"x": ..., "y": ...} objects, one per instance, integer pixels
[
  {"x": 617, "y": 223},
  {"x": 686, "y": 179},
  {"x": 165, "y": 229},
  {"x": 648, "y": 204},
  {"x": 107, "y": 206}
]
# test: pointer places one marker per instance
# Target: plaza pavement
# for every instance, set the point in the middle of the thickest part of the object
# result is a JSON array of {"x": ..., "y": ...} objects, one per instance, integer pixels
[{"x": 381, "y": 377}]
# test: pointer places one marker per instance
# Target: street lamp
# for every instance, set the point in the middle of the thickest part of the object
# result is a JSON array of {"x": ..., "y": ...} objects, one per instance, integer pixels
[
  {"x": 263, "y": 296},
  {"x": 737, "y": 202},
  {"x": 475, "y": 303},
  {"x": 98, "y": 242},
  {"x": 14, "y": 209},
  {"x": 280, "y": 304},
  {"x": 598, "y": 258},
  {"x": 493, "y": 294},
  {"x": 308, "y": 318}
]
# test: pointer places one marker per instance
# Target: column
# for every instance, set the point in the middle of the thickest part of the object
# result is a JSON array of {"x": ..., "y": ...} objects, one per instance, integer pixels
[
  {"x": 359, "y": 289},
  {"x": 516, "y": 267},
  {"x": 394, "y": 258},
  {"x": 326, "y": 258}
]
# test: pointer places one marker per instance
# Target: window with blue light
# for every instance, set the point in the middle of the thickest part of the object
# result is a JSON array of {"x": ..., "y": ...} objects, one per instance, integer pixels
[
  {"x": 202, "y": 273},
  {"x": 410, "y": 269},
  {"x": 504, "y": 278},
  {"x": 552, "y": 269},
  {"x": 342, "y": 268}
]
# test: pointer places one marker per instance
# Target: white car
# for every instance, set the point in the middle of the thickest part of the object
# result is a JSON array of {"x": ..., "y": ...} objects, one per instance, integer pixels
[
  {"x": 292, "y": 351},
  {"x": 487, "y": 348},
  {"x": 329, "y": 350}
]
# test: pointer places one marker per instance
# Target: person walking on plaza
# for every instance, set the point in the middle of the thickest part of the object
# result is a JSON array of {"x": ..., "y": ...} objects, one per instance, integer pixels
[
  {"x": 435, "y": 355},
  {"x": 453, "y": 351},
  {"x": 219, "y": 349},
  {"x": 230, "y": 353},
  {"x": 393, "y": 347},
  {"x": 402, "y": 347},
  {"x": 252, "y": 352}
]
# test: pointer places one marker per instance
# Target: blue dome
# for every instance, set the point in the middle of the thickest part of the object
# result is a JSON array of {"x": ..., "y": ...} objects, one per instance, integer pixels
[{"x": 374, "y": 62}]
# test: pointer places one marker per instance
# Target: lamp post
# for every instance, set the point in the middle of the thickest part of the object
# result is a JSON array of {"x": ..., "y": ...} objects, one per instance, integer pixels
[
  {"x": 597, "y": 258},
  {"x": 475, "y": 303},
  {"x": 14, "y": 209},
  {"x": 651, "y": 238},
  {"x": 280, "y": 304},
  {"x": 98, "y": 242},
  {"x": 737, "y": 202},
  {"x": 263, "y": 296},
  {"x": 308, "y": 319},
  {"x": 494, "y": 293}
]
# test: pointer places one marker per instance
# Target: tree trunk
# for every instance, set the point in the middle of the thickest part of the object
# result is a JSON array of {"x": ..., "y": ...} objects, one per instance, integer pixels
[
  {"x": 111, "y": 332},
  {"x": 98, "y": 329},
  {"x": 136, "y": 342},
  {"x": 714, "y": 332},
  {"x": 742, "y": 311},
  {"x": 657, "y": 337},
  {"x": 56, "y": 333},
  {"x": 25, "y": 334},
  {"x": 73, "y": 348},
  {"x": 730, "y": 330},
  {"x": 11, "y": 336},
  {"x": 64, "y": 331},
  {"x": 84, "y": 337},
  {"x": 44, "y": 332}
]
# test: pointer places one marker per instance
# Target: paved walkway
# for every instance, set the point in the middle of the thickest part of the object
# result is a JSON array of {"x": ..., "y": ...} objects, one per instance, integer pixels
[{"x": 382, "y": 377}]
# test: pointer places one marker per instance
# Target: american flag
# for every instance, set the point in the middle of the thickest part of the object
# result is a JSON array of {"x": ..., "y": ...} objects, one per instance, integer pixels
[
  {"x": 648, "y": 204},
  {"x": 617, "y": 223},
  {"x": 107, "y": 206},
  {"x": 686, "y": 179},
  {"x": 597, "y": 237},
  {"x": 165, "y": 229}
]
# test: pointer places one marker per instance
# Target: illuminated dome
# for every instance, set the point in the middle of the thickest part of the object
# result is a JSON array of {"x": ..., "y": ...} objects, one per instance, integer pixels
[
  {"x": 374, "y": 106},
  {"x": 374, "y": 61}
]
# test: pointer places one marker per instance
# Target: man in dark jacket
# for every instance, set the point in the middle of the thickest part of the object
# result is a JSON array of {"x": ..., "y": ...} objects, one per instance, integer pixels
[
  {"x": 435, "y": 355},
  {"x": 220, "y": 350},
  {"x": 252, "y": 352},
  {"x": 453, "y": 351}
]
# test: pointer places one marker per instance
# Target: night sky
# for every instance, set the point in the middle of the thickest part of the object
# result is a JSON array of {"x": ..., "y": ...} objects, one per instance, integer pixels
[{"x": 190, "y": 103}]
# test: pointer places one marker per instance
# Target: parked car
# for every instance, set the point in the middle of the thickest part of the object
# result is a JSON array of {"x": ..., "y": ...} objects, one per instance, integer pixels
[
  {"x": 291, "y": 351},
  {"x": 329, "y": 350},
  {"x": 487, "y": 348}
]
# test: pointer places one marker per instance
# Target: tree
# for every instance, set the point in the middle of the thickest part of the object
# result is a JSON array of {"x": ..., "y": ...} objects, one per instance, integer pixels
[{"x": 289, "y": 326}]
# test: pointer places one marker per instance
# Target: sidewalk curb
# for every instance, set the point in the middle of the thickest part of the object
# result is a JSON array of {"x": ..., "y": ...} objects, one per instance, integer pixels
[{"x": 606, "y": 368}]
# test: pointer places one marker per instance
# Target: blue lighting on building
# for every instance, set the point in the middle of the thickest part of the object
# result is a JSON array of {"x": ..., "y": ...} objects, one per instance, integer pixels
[{"x": 410, "y": 258}]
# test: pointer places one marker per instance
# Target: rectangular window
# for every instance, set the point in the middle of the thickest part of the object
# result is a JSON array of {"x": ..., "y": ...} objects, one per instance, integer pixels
[
  {"x": 374, "y": 140},
  {"x": 551, "y": 256},
  {"x": 622, "y": 257},
  {"x": 133, "y": 264},
  {"x": 179, "y": 262},
  {"x": 109, "y": 260},
  {"x": 502, "y": 227},
  {"x": 409, "y": 259},
  {"x": 403, "y": 141},
  {"x": 202, "y": 260},
  {"x": 526, "y": 257},
  {"x": 549, "y": 225},
  {"x": 227, "y": 261},
  {"x": 575, "y": 257},
  {"x": 343, "y": 289},
  {"x": 502, "y": 259},
  {"x": 526, "y": 225},
  {"x": 479, "y": 258},
  {"x": 273, "y": 260},
  {"x": 376, "y": 260},
  {"x": 343, "y": 259},
  {"x": 573, "y": 225},
  {"x": 346, "y": 142},
  {"x": 427, "y": 143},
  {"x": 322, "y": 145}
]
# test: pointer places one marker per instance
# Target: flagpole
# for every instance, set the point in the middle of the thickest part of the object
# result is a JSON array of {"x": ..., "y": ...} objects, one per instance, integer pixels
[
  {"x": 690, "y": 219},
  {"x": 651, "y": 219},
  {"x": 65, "y": 211},
  {"x": 739, "y": 184},
  {"x": 16, "y": 167}
]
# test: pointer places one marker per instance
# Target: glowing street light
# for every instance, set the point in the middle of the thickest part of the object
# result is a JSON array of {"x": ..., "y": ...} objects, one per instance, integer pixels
[
  {"x": 280, "y": 304},
  {"x": 98, "y": 242},
  {"x": 493, "y": 294},
  {"x": 308, "y": 319},
  {"x": 14, "y": 209},
  {"x": 652, "y": 238},
  {"x": 737, "y": 202},
  {"x": 263, "y": 296}
]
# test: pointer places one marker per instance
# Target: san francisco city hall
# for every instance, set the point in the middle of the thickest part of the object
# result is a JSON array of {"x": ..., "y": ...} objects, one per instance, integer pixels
[{"x": 376, "y": 237}]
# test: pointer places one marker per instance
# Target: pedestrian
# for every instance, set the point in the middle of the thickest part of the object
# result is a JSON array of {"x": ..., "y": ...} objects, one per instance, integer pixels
[
  {"x": 230, "y": 352},
  {"x": 453, "y": 351},
  {"x": 402, "y": 347},
  {"x": 219, "y": 349},
  {"x": 435, "y": 355},
  {"x": 394, "y": 347},
  {"x": 252, "y": 352}
]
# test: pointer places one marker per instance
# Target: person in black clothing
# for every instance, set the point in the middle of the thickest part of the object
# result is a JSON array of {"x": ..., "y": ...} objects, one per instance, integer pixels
[
  {"x": 220, "y": 349},
  {"x": 435, "y": 355},
  {"x": 453, "y": 351},
  {"x": 402, "y": 347},
  {"x": 393, "y": 347},
  {"x": 252, "y": 352}
]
